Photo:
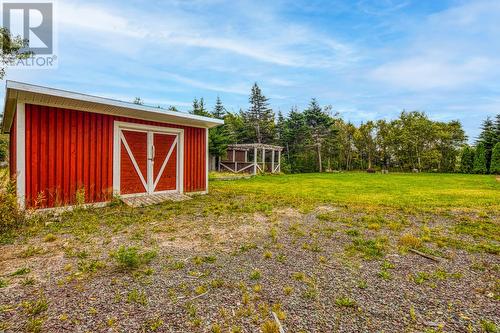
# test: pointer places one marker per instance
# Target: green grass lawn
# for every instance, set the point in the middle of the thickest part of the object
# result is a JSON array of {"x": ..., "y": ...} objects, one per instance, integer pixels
[{"x": 397, "y": 190}]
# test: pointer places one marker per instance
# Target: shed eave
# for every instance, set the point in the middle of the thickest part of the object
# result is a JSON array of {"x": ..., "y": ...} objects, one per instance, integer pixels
[{"x": 34, "y": 94}]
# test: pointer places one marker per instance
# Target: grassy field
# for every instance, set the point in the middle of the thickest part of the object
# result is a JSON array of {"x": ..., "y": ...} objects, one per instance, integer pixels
[
  {"x": 322, "y": 252},
  {"x": 414, "y": 191}
]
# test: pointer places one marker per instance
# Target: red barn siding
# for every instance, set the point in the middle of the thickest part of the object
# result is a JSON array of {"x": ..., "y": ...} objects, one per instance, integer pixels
[{"x": 67, "y": 150}]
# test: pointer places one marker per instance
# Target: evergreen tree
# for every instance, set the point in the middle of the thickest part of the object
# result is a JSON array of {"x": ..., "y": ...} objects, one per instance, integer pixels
[
  {"x": 467, "y": 159},
  {"x": 219, "y": 110},
  {"x": 199, "y": 108},
  {"x": 172, "y": 108},
  {"x": 487, "y": 138},
  {"x": 237, "y": 130},
  {"x": 480, "y": 159},
  {"x": 259, "y": 118},
  {"x": 138, "y": 101},
  {"x": 497, "y": 128},
  {"x": 297, "y": 142},
  {"x": 320, "y": 126},
  {"x": 219, "y": 136},
  {"x": 495, "y": 160},
  {"x": 280, "y": 128}
]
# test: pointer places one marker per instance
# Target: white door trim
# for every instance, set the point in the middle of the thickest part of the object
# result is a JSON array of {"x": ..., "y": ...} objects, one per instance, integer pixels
[{"x": 119, "y": 125}]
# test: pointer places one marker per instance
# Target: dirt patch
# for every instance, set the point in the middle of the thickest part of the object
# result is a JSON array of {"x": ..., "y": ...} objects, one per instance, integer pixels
[
  {"x": 288, "y": 212},
  {"x": 325, "y": 209}
]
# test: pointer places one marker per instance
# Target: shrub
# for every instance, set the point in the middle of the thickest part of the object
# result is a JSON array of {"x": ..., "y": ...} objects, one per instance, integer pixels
[
  {"x": 10, "y": 215},
  {"x": 127, "y": 257},
  {"x": 4, "y": 147},
  {"x": 467, "y": 160},
  {"x": 480, "y": 159},
  {"x": 495, "y": 160}
]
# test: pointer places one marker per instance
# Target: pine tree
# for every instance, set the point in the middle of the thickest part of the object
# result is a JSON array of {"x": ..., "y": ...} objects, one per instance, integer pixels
[
  {"x": 487, "y": 138},
  {"x": 219, "y": 136},
  {"x": 199, "y": 108},
  {"x": 280, "y": 128},
  {"x": 219, "y": 110},
  {"x": 467, "y": 159},
  {"x": 495, "y": 160},
  {"x": 259, "y": 117},
  {"x": 297, "y": 142},
  {"x": 480, "y": 159},
  {"x": 320, "y": 126},
  {"x": 497, "y": 128}
]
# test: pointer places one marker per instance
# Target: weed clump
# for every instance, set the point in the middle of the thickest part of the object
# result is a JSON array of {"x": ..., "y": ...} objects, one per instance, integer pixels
[
  {"x": 130, "y": 258},
  {"x": 369, "y": 248},
  {"x": 255, "y": 274},
  {"x": 345, "y": 302},
  {"x": 410, "y": 241},
  {"x": 270, "y": 326}
]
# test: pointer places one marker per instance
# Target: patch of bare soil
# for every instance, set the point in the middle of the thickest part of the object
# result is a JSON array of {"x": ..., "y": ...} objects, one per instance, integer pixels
[{"x": 232, "y": 272}]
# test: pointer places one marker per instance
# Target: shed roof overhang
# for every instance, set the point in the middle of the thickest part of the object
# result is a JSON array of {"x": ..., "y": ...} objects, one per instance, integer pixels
[{"x": 18, "y": 92}]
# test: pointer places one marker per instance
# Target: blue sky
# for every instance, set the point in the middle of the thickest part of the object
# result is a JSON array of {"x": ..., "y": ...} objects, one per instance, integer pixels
[{"x": 368, "y": 59}]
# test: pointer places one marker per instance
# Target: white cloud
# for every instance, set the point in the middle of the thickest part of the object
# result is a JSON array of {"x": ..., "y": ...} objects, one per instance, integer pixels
[
  {"x": 453, "y": 49},
  {"x": 235, "y": 89},
  {"x": 427, "y": 72},
  {"x": 277, "y": 42}
]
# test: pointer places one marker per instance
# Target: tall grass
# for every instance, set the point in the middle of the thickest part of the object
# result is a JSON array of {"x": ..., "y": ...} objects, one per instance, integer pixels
[{"x": 10, "y": 215}]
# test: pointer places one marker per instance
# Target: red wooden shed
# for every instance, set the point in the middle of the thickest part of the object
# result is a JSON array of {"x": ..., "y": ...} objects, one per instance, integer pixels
[{"x": 65, "y": 145}]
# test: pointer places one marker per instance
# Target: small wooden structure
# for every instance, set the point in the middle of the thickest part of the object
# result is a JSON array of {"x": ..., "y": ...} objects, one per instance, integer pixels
[
  {"x": 252, "y": 157},
  {"x": 67, "y": 145}
]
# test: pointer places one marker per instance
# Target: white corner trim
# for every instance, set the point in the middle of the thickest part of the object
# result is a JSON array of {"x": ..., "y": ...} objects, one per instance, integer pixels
[
  {"x": 21, "y": 155},
  {"x": 206, "y": 158},
  {"x": 116, "y": 159}
]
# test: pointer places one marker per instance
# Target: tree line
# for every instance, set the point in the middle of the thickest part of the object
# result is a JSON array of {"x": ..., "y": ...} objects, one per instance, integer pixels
[{"x": 318, "y": 139}]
